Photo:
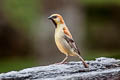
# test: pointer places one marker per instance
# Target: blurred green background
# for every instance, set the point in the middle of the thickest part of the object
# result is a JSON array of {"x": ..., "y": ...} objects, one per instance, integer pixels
[{"x": 27, "y": 36}]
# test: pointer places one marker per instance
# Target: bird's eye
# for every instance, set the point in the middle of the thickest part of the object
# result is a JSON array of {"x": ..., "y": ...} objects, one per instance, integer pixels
[{"x": 54, "y": 17}]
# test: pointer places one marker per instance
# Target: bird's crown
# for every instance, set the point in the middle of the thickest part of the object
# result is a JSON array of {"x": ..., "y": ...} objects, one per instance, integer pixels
[{"x": 57, "y": 18}]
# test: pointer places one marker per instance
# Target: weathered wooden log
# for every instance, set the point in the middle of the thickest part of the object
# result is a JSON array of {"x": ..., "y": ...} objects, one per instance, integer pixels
[{"x": 99, "y": 69}]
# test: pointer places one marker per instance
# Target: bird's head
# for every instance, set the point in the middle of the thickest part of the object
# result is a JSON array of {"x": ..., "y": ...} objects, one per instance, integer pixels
[{"x": 57, "y": 19}]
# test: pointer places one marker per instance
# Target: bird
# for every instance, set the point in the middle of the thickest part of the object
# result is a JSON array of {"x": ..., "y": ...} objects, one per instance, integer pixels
[{"x": 64, "y": 39}]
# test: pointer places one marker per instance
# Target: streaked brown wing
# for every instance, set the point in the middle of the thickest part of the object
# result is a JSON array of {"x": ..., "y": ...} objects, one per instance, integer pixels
[
  {"x": 66, "y": 31},
  {"x": 72, "y": 44}
]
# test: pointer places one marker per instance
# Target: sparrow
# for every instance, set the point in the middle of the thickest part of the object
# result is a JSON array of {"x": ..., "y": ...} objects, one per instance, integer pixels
[{"x": 64, "y": 40}]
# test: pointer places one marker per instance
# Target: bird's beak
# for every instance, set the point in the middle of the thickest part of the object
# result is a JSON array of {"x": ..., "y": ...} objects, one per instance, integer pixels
[{"x": 50, "y": 17}]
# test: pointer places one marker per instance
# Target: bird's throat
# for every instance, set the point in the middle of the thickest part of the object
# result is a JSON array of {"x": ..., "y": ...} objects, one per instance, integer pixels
[{"x": 54, "y": 23}]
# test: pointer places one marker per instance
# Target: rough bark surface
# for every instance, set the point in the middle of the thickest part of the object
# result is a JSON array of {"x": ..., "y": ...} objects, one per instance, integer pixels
[{"x": 99, "y": 69}]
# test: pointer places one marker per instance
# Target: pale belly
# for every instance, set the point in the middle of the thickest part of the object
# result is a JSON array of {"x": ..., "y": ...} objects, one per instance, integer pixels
[
  {"x": 62, "y": 44},
  {"x": 64, "y": 47}
]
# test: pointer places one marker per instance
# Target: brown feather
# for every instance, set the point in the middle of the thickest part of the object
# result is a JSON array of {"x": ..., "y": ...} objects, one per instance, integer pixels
[
  {"x": 61, "y": 19},
  {"x": 66, "y": 31},
  {"x": 72, "y": 44}
]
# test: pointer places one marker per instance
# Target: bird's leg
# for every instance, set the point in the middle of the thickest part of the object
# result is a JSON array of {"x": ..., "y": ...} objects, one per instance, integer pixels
[
  {"x": 64, "y": 60},
  {"x": 84, "y": 63}
]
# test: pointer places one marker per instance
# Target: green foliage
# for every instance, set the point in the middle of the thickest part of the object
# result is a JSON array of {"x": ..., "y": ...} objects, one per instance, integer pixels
[
  {"x": 16, "y": 64},
  {"x": 100, "y": 2},
  {"x": 92, "y": 54},
  {"x": 21, "y": 12}
]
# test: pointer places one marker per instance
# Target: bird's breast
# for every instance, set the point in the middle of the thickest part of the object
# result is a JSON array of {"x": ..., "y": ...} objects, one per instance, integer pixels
[{"x": 61, "y": 43}]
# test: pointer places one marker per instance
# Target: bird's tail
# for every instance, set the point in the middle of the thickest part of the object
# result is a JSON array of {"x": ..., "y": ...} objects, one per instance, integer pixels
[{"x": 83, "y": 61}]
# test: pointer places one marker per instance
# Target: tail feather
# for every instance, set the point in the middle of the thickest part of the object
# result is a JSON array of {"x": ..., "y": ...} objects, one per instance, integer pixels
[{"x": 83, "y": 61}]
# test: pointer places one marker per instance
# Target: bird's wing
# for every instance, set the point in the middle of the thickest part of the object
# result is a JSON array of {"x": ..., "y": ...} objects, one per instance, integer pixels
[{"x": 70, "y": 41}]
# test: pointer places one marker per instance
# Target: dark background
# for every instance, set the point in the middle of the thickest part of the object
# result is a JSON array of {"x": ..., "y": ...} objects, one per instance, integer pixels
[{"x": 27, "y": 36}]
